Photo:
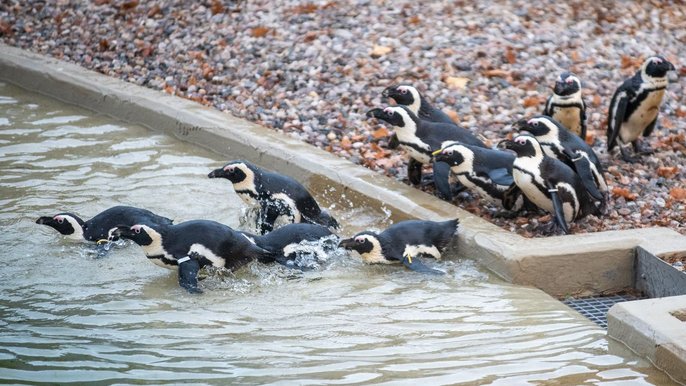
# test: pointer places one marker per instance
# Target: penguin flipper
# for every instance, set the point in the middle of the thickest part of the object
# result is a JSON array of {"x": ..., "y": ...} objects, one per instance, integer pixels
[
  {"x": 393, "y": 142},
  {"x": 559, "y": 214},
  {"x": 583, "y": 120},
  {"x": 414, "y": 264},
  {"x": 442, "y": 180},
  {"x": 510, "y": 196},
  {"x": 582, "y": 166},
  {"x": 615, "y": 124},
  {"x": 414, "y": 171},
  {"x": 188, "y": 274},
  {"x": 501, "y": 176},
  {"x": 268, "y": 215}
]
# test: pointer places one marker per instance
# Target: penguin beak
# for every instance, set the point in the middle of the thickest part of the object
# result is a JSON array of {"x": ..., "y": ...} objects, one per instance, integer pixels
[
  {"x": 347, "y": 243},
  {"x": 559, "y": 88},
  {"x": 216, "y": 173},
  {"x": 121, "y": 231},
  {"x": 506, "y": 144},
  {"x": 387, "y": 92},
  {"x": 520, "y": 125},
  {"x": 44, "y": 220},
  {"x": 375, "y": 113},
  {"x": 671, "y": 66},
  {"x": 438, "y": 155}
]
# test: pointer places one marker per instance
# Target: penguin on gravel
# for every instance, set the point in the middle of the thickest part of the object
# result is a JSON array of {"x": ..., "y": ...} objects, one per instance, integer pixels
[
  {"x": 278, "y": 196},
  {"x": 285, "y": 243},
  {"x": 420, "y": 139},
  {"x": 192, "y": 245},
  {"x": 487, "y": 172},
  {"x": 549, "y": 183},
  {"x": 566, "y": 104},
  {"x": 410, "y": 97},
  {"x": 404, "y": 242},
  {"x": 559, "y": 143},
  {"x": 635, "y": 105},
  {"x": 99, "y": 229}
]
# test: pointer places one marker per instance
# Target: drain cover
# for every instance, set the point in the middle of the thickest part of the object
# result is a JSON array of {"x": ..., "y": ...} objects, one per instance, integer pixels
[{"x": 595, "y": 309}]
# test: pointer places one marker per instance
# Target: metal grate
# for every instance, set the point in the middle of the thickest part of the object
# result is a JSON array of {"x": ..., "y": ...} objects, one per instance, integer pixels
[{"x": 596, "y": 308}]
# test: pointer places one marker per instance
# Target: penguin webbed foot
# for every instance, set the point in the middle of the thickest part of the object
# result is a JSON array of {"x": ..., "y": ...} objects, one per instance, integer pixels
[
  {"x": 551, "y": 228},
  {"x": 642, "y": 147},
  {"x": 188, "y": 273},
  {"x": 414, "y": 172},
  {"x": 626, "y": 156},
  {"x": 414, "y": 264}
]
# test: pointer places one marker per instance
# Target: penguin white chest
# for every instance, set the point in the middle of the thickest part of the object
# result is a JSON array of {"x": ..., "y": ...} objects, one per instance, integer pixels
[
  {"x": 419, "y": 156},
  {"x": 288, "y": 209},
  {"x": 525, "y": 182},
  {"x": 645, "y": 113},
  {"x": 248, "y": 199},
  {"x": 569, "y": 117}
]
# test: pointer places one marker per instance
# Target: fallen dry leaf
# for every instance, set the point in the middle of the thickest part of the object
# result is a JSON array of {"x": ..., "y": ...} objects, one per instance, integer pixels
[
  {"x": 382, "y": 132},
  {"x": 678, "y": 194},
  {"x": 532, "y": 101},
  {"x": 667, "y": 172},
  {"x": 414, "y": 20},
  {"x": 510, "y": 56},
  {"x": 378, "y": 51},
  {"x": 259, "y": 32},
  {"x": 590, "y": 138},
  {"x": 345, "y": 143},
  {"x": 452, "y": 114},
  {"x": 623, "y": 192},
  {"x": 455, "y": 82},
  {"x": 496, "y": 73}
]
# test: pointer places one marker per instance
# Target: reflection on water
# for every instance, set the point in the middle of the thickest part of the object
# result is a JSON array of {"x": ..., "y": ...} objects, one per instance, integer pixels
[{"x": 67, "y": 315}]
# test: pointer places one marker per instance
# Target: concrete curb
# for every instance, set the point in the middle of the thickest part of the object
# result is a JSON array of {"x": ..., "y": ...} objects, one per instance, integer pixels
[{"x": 582, "y": 264}]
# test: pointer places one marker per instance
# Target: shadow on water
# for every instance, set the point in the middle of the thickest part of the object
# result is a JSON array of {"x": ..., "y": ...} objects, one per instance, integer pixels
[{"x": 70, "y": 315}]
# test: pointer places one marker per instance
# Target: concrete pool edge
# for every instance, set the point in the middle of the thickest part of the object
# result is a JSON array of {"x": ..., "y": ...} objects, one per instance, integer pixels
[{"x": 583, "y": 264}]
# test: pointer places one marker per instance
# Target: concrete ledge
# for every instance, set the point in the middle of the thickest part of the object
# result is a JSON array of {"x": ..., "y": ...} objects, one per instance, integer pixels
[
  {"x": 582, "y": 264},
  {"x": 650, "y": 328}
]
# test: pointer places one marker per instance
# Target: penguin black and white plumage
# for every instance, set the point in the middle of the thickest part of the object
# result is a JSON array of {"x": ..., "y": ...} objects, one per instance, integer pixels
[
  {"x": 635, "y": 105},
  {"x": 192, "y": 245},
  {"x": 558, "y": 142},
  {"x": 278, "y": 196},
  {"x": 566, "y": 105},
  {"x": 284, "y": 243},
  {"x": 487, "y": 172},
  {"x": 549, "y": 183},
  {"x": 99, "y": 228},
  {"x": 420, "y": 139},
  {"x": 404, "y": 242}
]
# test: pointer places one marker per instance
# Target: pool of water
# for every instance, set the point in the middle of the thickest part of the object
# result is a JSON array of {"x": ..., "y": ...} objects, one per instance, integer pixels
[{"x": 69, "y": 316}]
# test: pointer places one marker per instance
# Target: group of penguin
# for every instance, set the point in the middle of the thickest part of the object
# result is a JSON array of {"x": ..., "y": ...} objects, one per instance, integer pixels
[
  {"x": 287, "y": 216},
  {"x": 547, "y": 165}
]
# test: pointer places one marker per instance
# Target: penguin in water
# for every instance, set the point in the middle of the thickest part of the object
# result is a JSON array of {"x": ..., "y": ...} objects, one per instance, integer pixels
[
  {"x": 487, "y": 172},
  {"x": 410, "y": 97},
  {"x": 566, "y": 104},
  {"x": 192, "y": 245},
  {"x": 285, "y": 243},
  {"x": 100, "y": 228},
  {"x": 549, "y": 183},
  {"x": 635, "y": 105},
  {"x": 278, "y": 196},
  {"x": 420, "y": 139},
  {"x": 559, "y": 143},
  {"x": 404, "y": 242}
]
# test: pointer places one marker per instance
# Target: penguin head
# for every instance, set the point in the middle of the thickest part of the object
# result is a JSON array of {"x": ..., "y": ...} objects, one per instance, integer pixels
[
  {"x": 367, "y": 244},
  {"x": 404, "y": 95},
  {"x": 656, "y": 67},
  {"x": 327, "y": 220},
  {"x": 567, "y": 84},
  {"x": 452, "y": 154},
  {"x": 538, "y": 126},
  {"x": 523, "y": 145},
  {"x": 67, "y": 224},
  {"x": 398, "y": 116},
  {"x": 140, "y": 234},
  {"x": 234, "y": 171}
]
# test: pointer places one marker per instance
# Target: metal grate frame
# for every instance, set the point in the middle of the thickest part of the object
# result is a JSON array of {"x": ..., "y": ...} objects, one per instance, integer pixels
[{"x": 596, "y": 308}]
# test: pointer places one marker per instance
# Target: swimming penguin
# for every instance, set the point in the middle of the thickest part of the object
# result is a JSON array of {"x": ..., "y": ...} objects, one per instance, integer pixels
[
  {"x": 566, "y": 104},
  {"x": 410, "y": 97},
  {"x": 549, "y": 183},
  {"x": 635, "y": 105},
  {"x": 192, "y": 245},
  {"x": 558, "y": 142},
  {"x": 284, "y": 243},
  {"x": 100, "y": 227},
  {"x": 404, "y": 242},
  {"x": 278, "y": 196},
  {"x": 487, "y": 172},
  {"x": 420, "y": 139}
]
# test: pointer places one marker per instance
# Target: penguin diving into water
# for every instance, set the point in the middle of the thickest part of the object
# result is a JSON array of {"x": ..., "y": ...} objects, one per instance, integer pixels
[{"x": 279, "y": 197}]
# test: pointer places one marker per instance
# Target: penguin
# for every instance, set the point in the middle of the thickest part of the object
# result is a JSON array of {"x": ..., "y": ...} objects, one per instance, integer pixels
[
  {"x": 410, "y": 97},
  {"x": 404, "y": 242},
  {"x": 192, "y": 245},
  {"x": 284, "y": 243},
  {"x": 487, "y": 172},
  {"x": 635, "y": 105},
  {"x": 99, "y": 228},
  {"x": 420, "y": 139},
  {"x": 558, "y": 142},
  {"x": 566, "y": 104},
  {"x": 549, "y": 183},
  {"x": 278, "y": 196}
]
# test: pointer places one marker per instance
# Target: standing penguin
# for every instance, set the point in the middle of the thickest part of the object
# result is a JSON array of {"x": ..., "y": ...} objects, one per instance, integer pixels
[
  {"x": 404, "y": 242},
  {"x": 192, "y": 245},
  {"x": 566, "y": 104},
  {"x": 278, "y": 196},
  {"x": 487, "y": 172},
  {"x": 420, "y": 139},
  {"x": 635, "y": 105},
  {"x": 559, "y": 143},
  {"x": 284, "y": 243},
  {"x": 100, "y": 227},
  {"x": 549, "y": 183}
]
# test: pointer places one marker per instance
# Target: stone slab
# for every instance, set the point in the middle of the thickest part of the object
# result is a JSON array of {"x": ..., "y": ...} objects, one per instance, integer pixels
[{"x": 584, "y": 264}]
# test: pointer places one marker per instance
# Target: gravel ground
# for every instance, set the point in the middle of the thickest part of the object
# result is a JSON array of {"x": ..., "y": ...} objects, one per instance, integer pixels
[{"x": 312, "y": 70}]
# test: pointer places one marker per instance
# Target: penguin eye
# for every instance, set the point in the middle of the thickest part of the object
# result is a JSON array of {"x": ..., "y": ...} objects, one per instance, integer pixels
[
  {"x": 449, "y": 152},
  {"x": 520, "y": 141},
  {"x": 570, "y": 80},
  {"x": 657, "y": 60},
  {"x": 403, "y": 91},
  {"x": 229, "y": 169},
  {"x": 390, "y": 112},
  {"x": 60, "y": 220},
  {"x": 359, "y": 240},
  {"x": 137, "y": 230}
]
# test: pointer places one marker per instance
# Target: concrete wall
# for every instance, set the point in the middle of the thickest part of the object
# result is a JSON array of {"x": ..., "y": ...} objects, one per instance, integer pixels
[{"x": 577, "y": 264}]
